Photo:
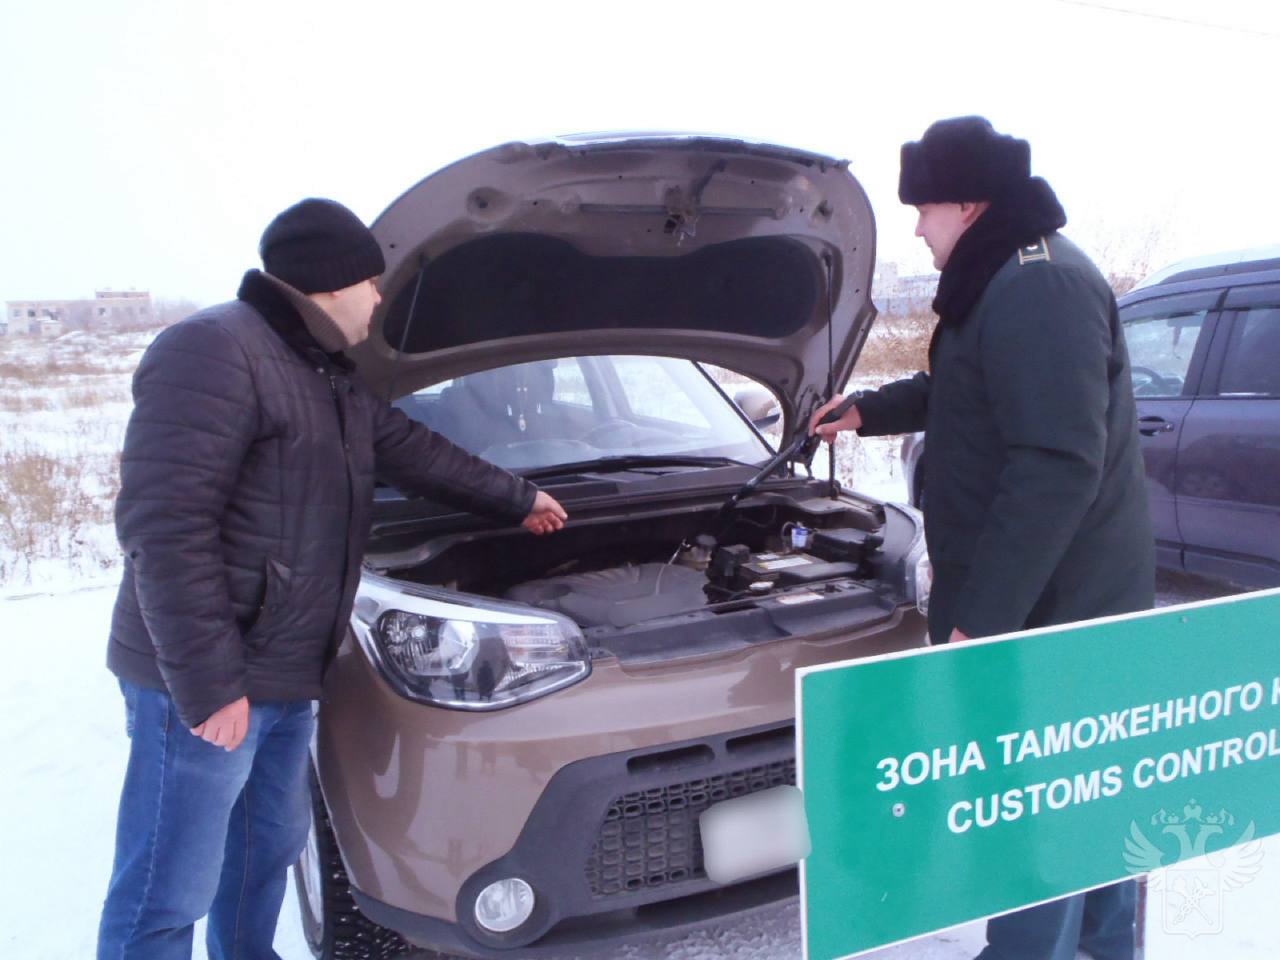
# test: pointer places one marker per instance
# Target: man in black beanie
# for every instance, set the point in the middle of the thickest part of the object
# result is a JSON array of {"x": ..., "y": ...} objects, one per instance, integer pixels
[
  {"x": 247, "y": 483},
  {"x": 1036, "y": 508}
]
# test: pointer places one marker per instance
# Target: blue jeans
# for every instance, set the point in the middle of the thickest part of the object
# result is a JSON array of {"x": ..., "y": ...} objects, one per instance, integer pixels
[
  {"x": 1101, "y": 922},
  {"x": 203, "y": 831}
]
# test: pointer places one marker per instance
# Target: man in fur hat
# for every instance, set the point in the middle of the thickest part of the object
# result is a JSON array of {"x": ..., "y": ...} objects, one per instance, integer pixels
[{"x": 1037, "y": 509}]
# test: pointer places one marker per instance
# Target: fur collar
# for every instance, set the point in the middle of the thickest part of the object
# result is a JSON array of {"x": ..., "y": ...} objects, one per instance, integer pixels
[
  {"x": 1013, "y": 220},
  {"x": 293, "y": 317}
]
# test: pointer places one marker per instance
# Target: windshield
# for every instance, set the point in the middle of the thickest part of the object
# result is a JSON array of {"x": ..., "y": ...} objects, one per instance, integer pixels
[{"x": 574, "y": 409}]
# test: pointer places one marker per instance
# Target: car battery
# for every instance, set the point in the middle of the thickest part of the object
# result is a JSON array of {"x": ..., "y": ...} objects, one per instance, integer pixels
[{"x": 735, "y": 571}]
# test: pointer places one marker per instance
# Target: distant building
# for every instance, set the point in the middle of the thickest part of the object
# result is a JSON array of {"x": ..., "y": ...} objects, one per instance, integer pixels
[
  {"x": 108, "y": 309},
  {"x": 895, "y": 294}
]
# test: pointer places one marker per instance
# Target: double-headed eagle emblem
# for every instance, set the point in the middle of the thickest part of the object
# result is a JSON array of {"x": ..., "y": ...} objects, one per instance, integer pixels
[{"x": 1238, "y": 859}]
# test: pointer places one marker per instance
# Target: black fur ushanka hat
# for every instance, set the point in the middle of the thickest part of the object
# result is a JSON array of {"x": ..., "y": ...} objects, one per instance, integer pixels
[{"x": 962, "y": 159}]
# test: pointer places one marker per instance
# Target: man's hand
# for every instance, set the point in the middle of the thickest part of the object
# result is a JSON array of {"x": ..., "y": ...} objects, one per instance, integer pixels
[
  {"x": 547, "y": 515},
  {"x": 852, "y": 420},
  {"x": 956, "y": 637},
  {"x": 226, "y": 726}
]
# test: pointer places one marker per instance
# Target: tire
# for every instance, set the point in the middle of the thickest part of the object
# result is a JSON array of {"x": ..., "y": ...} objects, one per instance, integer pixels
[{"x": 332, "y": 924}]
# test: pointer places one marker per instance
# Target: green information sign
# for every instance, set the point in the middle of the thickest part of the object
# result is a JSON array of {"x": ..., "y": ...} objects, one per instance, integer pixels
[{"x": 955, "y": 783}]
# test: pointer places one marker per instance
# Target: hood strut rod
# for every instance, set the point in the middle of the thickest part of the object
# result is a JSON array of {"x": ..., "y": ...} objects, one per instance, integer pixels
[
  {"x": 408, "y": 322},
  {"x": 802, "y": 440},
  {"x": 831, "y": 373},
  {"x": 787, "y": 453}
]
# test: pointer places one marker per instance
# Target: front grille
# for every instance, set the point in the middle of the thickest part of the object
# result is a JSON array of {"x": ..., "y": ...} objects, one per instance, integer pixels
[{"x": 650, "y": 838}]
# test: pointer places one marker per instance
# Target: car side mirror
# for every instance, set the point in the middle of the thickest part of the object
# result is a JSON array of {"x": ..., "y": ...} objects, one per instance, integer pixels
[{"x": 760, "y": 406}]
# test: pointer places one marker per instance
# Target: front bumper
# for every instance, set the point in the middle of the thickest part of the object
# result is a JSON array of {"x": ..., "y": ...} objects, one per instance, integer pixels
[
  {"x": 612, "y": 848},
  {"x": 590, "y": 794}
]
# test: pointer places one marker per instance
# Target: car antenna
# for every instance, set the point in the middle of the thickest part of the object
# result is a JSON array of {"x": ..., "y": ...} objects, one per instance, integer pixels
[{"x": 408, "y": 321}]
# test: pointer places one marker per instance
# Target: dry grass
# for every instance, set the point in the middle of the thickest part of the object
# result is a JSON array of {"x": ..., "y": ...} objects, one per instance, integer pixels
[
  {"x": 898, "y": 345},
  {"x": 40, "y": 376},
  {"x": 77, "y": 366},
  {"x": 49, "y": 371},
  {"x": 37, "y": 389},
  {"x": 96, "y": 396},
  {"x": 50, "y": 506},
  {"x": 63, "y": 404},
  {"x": 18, "y": 403}
]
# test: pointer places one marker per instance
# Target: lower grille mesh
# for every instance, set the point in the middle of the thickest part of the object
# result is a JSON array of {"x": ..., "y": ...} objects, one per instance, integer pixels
[{"x": 650, "y": 838}]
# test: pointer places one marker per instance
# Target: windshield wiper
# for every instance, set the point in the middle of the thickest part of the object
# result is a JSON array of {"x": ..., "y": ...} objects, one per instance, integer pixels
[{"x": 630, "y": 461}]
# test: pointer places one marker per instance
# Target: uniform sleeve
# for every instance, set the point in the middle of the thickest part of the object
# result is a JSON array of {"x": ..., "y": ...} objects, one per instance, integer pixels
[
  {"x": 421, "y": 462},
  {"x": 195, "y": 415},
  {"x": 1045, "y": 349},
  {"x": 898, "y": 407}
]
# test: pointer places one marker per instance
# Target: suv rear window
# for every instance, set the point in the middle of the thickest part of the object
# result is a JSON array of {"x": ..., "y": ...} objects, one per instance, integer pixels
[{"x": 1252, "y": 363}]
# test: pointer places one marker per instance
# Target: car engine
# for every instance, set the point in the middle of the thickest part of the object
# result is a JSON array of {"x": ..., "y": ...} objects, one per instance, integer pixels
[{"x": 700, "y": 572}]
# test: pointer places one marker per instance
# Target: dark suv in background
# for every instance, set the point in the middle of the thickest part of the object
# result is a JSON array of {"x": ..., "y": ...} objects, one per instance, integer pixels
[{"x": 1204, "y": 346}]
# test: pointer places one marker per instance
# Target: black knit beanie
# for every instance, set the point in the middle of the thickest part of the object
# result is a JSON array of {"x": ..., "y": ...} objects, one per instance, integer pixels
[
  {"x": 962, "y": 159},
  {"x": 319, "y": 246}
]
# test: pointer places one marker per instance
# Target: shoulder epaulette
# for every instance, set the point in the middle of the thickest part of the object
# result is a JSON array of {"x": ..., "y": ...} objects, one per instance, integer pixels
[{"x": 1034, "y": 252}]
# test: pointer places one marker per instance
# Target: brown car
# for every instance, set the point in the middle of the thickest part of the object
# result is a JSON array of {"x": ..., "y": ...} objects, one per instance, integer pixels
[{"x": 520, "y": 733}]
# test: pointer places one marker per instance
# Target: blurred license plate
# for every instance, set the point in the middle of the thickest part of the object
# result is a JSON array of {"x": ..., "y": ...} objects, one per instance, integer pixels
[{"x": 756, "y": 834}]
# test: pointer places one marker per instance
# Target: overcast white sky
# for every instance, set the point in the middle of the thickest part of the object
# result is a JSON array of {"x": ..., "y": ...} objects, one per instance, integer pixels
[{"x": 147, "y": 144}]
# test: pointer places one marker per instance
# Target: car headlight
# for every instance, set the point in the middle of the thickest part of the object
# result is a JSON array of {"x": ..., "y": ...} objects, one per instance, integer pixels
[
  {"x": 441, "y": 649},
  {"x": 917, "y": 568},
  {"x": 924, "y": 583}
]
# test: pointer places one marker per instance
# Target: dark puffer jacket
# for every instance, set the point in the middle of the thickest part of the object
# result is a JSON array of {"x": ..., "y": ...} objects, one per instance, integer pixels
[{"x": 247, "y": 485}]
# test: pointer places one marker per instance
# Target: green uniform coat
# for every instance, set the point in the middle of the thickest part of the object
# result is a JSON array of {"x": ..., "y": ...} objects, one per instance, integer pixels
[{"x": 1035, "y": 497}]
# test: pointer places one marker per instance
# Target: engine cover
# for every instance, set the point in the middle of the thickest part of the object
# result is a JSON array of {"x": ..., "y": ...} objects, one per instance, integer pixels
[{"x": 618, "y": 596}]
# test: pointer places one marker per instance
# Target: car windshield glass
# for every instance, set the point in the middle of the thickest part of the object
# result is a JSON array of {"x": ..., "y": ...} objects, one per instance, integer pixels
[{"x": 578, "y": 409}]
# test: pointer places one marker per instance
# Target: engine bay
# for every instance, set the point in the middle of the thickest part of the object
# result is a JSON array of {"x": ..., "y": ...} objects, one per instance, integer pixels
[
  {"x": 679, "y": 563},
  {"x": 701, "y": 571}
]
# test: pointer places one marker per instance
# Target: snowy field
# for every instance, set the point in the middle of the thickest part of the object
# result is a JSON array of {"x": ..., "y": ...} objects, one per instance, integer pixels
[
  {"x": 63, "y": 732},
  {"x": 63, "y": 408}
]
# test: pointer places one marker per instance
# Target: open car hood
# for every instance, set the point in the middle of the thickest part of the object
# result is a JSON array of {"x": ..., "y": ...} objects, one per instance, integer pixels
[{"x": 720, "y": 250}]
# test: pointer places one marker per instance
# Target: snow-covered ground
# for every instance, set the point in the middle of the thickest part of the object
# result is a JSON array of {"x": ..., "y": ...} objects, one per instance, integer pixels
[{"x": 64, "y": 746}]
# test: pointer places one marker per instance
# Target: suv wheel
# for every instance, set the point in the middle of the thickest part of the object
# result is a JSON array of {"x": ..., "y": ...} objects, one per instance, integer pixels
[{"x": 334, "y": 927}]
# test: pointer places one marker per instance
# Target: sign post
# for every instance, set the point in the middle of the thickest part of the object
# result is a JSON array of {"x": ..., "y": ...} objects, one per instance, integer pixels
[{"x": 955, "y": 783}]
